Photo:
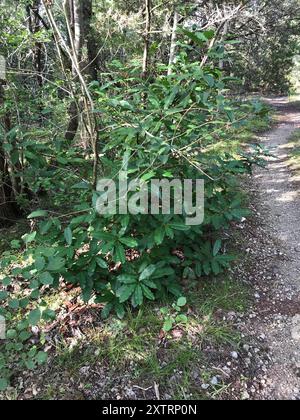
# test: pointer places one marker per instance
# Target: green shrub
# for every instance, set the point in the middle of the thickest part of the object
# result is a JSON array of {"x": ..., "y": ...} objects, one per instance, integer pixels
[{"x": 157, "y": 128}]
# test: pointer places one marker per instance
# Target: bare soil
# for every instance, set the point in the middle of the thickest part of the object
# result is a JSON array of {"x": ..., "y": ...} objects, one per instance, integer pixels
[{"x": 273, "y": 267}]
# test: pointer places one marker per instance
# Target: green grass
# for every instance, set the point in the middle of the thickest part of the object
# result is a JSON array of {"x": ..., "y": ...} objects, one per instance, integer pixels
[
  {"x": 135, "y": 348},
  {"x": 227, "y": 295},
  {"x": 235, "y": 140},
  {"x": 293, "y": 147}
]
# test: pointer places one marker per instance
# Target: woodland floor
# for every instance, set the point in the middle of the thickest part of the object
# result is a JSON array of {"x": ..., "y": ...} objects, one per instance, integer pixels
[{"x": 243, "y": 336}]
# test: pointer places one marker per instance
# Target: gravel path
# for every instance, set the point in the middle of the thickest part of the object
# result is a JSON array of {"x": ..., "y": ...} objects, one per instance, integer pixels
[{"x": 276, "y": 316}]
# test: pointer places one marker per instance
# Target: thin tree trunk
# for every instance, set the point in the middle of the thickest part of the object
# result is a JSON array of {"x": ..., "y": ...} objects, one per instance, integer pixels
[
  {"x": 38, "y": 50},
  {"x": 224, "y": 34},
  {"x": 73, "y": 11},
  {"x": 78, "y": 24},
  {"x": 92, "y": 66},
  {"x": 35, "y": 25},
  {"x": 173, "y": 42},
  {"x": 79, "y": 15},
  {"x": 89, "y": 120},
  {"x": 6, "y": 208},
  {"x": 7, "y": 194},
  {"x": 92, "y": 62},
  {"x": 147, "y": 38},
  {"x": 73, "y": 111}
]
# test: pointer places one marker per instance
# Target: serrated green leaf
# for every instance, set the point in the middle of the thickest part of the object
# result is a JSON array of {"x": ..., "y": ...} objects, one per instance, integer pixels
[
  {"x": 87, "y": 294},
  {"x": 216, "y": 267},
  {"x": 55, "y": 264},
  {"x": 207, "y": 268},
  {"x": 130, "y": 242},
  {"x": 159, "y": 235},
  {"x": 106, "y": 310},
  {"x": 24, "y": 302},
  {"x": 119, "y": 254},
  {"x": 35, "y": 294},
  {"x": 24, "y": 336},
  {"x": 40, "y": 263},
  {"x": 46, "y": 279},
  {"x": 68, "y": 234},
  {"x": 14, "y": 304},
  {"x": 138, "y": 296},
  {"x": 180, "y": 226},
  {"x": 102, "y": 263},
  {"x": 217, "y": 247},
  {"x": 147, "y": 292},
  {"x": 49, "y": 315},
  {"x": 103, "y": 236},
  {"x": 163, "y": 272},
  {"x": 149, "y": 283},
  {"x": 6, "y": 281},
  {"x": 120, "y": 311},
  {"x": 34, "y": 317},
  {"x": 125, "y": 292},
  {"x": 198, "y": 269},
  {"x": 147, "y": 272},
  {"x": 3, "y": 295},
  {"x": 127, "y": 279},
  {"x": 34, "y": 284}
]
